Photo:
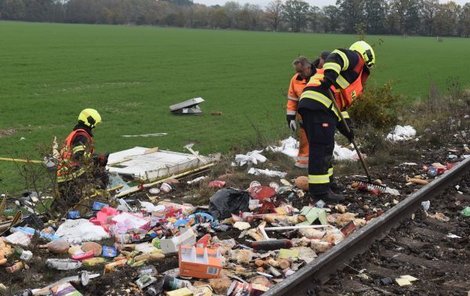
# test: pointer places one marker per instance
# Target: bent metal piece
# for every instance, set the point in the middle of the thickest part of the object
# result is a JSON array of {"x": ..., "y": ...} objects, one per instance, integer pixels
[{"x": 303, "y": 281}]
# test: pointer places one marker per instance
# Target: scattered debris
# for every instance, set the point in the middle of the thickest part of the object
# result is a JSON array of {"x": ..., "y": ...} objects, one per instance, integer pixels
[
  {"x": 416, "y": 180},
  {"x": 266, "y": 172},
  {"x": 451, "y": 235},
  {"x": 440, "y": 217},
  {"x": 405, "y": 280},
  {"x": 466, "y": 212},
  {"x": 145, "y": 135},
  {"x": 251, "y": 158},
  {"x": 401, "y": 133}
]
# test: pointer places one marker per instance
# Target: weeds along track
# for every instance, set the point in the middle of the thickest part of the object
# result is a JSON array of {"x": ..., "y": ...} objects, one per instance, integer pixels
[{"x": 419, "y": 247}]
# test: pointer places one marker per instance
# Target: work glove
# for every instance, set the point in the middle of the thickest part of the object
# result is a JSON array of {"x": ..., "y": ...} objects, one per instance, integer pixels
[
  {"x": 291, "y": 123},
  {"x": 344, "y": 131}
]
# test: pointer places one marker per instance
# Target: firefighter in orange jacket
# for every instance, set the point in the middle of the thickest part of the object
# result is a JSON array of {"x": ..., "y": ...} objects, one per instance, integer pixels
[
  {"x": 304, "y": 69},
  {"x": 77, "y": 159},
  {"x": 345, "y": 72}
]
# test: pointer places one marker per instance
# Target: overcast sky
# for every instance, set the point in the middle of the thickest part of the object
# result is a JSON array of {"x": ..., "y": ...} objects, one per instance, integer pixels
[{"x": 263, "y": 3}]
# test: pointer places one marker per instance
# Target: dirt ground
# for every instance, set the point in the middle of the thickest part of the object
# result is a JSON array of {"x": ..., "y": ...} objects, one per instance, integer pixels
[{"x": 420, "y": 247}]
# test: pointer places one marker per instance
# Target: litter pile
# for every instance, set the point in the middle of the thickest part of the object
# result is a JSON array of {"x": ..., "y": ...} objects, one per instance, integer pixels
[{"x": 244, "y": 242}]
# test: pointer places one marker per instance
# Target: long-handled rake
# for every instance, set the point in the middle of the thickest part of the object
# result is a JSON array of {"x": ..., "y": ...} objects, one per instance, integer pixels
[{"x": 369, "y": 185}]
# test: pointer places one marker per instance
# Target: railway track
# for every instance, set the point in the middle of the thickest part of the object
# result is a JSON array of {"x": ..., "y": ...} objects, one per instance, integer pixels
[{"x": 319, "y": 271}]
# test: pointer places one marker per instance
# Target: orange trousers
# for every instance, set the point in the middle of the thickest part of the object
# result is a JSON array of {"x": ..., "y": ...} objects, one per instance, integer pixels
[{"x": 302, "y": 158}]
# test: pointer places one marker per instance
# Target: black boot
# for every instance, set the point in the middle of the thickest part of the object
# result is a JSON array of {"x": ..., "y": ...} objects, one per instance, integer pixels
[
  {"x": 336, "y": 188},
  {"x": 330, "y": 197}
]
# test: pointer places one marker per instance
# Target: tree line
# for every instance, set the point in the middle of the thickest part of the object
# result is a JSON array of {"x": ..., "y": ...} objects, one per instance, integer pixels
[{"x": 404, "y": 17}]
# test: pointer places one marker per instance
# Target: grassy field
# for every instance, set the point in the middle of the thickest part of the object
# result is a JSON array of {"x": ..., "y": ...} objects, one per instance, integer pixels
[{"x": 49, "y": 72}]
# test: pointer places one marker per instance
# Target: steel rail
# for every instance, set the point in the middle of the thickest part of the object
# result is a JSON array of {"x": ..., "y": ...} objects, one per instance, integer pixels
[{"x": 318, "y": 271}]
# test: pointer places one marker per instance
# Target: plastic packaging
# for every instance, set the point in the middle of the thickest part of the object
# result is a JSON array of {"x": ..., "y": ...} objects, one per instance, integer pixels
[
  {"x": 97, "y": 206},
  {"x": 31, "y": 231},
  {"x": 83, "y": 256},
  {"x": 228, "y": 201},
  {"x": 145, "y": 280},
  {"x": 26, "y": 255},
  {"x": 109, "y": 252},
  {"x": 92, "y": 246},
  {"x": 63, "y": 264},
  {"x": 148, "y": 270},
  {"x": 171, "y": 245},
  {"x": 65, "y": 289},
  {"x": 466, "y": 212},
  {"x": 93, "y": 261},
  {"x": 15, "y": 267},
  {"x": 59, "y": 246},
  {"x": 172, "y": 283},
  {"x": 76, "y": 231},
  {"x": 73, "y": 215}
]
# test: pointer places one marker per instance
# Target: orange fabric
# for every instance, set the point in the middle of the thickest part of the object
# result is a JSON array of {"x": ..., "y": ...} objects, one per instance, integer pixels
[
  {"x": 66, "y": 153},
  {"x": 355, "y": 89},
  {"x": 302, "y": 157},
  {"x": 296, "y": 86}
]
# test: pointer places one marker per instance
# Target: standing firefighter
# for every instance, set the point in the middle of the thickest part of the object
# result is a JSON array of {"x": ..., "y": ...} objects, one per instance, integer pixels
[
  {"x": 78, "y": 166},
  {"x": 304, "y": 69},
  {"x": 344, "y": 73}
]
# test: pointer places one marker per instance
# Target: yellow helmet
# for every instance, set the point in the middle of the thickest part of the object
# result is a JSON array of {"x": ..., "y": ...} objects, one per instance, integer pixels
[
  {"x": 366, "y": 51},
  {"x": 90, "y": 117}
]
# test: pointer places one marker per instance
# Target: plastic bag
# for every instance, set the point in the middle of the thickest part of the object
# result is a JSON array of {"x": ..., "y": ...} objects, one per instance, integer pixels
[{"x": 226, "y": 202}]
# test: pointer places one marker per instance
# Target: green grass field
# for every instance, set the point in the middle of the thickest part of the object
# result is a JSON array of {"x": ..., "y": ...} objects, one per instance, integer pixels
[{"x": 49, "y": 72}]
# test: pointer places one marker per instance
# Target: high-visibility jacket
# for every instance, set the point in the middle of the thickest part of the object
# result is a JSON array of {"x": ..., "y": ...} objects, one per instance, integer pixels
[
  {"x": 344, "y": 73},
  {"x": 78, "y": 147},
  {"x": 296, "y": 86}
]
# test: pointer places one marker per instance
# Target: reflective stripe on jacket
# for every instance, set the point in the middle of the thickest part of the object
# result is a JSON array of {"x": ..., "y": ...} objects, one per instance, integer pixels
[
  {"x": 69, "y": 167},
  {"x": 345, "y": 70}
]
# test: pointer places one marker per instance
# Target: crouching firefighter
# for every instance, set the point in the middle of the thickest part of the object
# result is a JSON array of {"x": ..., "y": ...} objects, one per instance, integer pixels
[
  {"x": 342, "y": 79},
  {"x": 78, "y": 167}
]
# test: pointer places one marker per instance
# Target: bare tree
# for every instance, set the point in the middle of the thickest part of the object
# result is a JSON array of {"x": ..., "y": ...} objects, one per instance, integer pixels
[
  {"x": 428, "y": 13},
  {"x": 273, "y": 14},
  {"x": 464, "y": 21}
]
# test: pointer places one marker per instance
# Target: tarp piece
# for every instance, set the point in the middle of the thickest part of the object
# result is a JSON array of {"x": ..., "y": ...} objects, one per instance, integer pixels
[{"x": 149, "y": 165}]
